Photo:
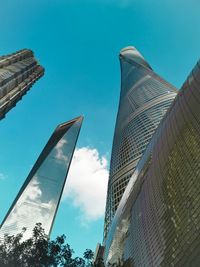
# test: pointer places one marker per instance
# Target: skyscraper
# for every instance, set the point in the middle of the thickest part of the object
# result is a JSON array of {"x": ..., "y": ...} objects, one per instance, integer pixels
[
  {"x": 18, "y": 71},
  {"x": 157, "y": 222},
  {"x": 39, "y": 197},
  {"x": 144, "y": 99}
]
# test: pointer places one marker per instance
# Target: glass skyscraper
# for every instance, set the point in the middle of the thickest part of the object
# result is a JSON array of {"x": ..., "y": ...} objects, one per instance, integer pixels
[
  {"x": 18, "y": 71},
  {"x": 144, "y": 99},
  {"x": 39, "y": 197},
  {"x": 157, "y": 222}
]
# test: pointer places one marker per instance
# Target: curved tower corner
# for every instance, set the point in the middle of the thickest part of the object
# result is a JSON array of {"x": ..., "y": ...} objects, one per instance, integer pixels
[
  {"x": 131, "y": 53},
  {"x": 144, "y": 99}
]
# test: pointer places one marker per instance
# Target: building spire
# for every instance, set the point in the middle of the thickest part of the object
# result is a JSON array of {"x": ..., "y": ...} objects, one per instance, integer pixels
[{"x": 132, "y": 54}]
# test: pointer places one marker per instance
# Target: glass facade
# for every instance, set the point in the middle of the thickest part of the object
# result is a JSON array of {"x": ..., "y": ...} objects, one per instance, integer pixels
[
  {"x": 144, "y": 99},
  {"x": 157, "y": 222},
  {"x": 18, "y": 72},
  {"x": 39, "y": 197}
]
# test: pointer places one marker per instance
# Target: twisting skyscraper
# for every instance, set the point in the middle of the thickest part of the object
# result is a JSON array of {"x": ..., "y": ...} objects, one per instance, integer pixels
[
  {"x": 18, "y": 71},
  {"x": 157, "y": 222},
  {"x": 39, "y": 197},
  {"x": 145, "y": 97}
]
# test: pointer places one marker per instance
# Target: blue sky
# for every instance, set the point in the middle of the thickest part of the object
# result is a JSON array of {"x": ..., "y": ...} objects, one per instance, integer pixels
[{"x": 78, "y": 43}]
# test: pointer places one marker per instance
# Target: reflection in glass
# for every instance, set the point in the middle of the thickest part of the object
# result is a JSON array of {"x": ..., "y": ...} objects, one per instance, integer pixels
[{"x": 39, "y": 197}]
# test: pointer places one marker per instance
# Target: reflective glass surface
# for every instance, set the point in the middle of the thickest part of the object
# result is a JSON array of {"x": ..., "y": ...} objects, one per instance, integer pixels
[
  {"x": 144, "y": 100},
  {"x": 39, "y": 197},
  {"x": 157, "y": 222}
]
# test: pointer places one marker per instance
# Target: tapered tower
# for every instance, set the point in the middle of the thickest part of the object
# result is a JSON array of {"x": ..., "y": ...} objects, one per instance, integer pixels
[
  {"x": 18, "y": 72},
  {"x": 39, "y": 197},
  {"x": 157, "y": 221},
  {"x": 144, "y": 99}
]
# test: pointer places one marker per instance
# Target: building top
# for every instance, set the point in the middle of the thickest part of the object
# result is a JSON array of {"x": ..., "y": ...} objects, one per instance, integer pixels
[{"x": 131, "y": 53}]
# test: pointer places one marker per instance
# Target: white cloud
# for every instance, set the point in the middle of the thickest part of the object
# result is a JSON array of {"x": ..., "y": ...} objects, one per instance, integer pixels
[
  {"x": 86, "y": 184},
  {"x": 33, "y": 191},
  {"x": 60, "y": 153},
  {"x": 29, "y": 210}
]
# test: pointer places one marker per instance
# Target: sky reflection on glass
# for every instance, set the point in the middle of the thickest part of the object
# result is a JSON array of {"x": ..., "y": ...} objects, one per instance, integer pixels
[{"x": 39, "y": 200}]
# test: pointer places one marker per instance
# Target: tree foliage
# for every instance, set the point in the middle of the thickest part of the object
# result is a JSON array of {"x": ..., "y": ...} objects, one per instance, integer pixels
[{"x": 40, "y": 251}]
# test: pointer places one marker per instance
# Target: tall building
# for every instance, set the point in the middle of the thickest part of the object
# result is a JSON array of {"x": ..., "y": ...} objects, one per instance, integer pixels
[
  {"x": 39, "y": 197},
  {"x": 144, "y": 99},
  {"x": 157, "y": 222},
  {"x": 18, "y": 71}
]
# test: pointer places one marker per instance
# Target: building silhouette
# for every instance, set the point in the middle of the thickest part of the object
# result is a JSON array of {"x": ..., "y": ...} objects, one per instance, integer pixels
[
  {"x": 157, "y": 222},
  {"x": 18, "y": 72},
  {"x": 144, "y": 99},
  {"x": 39, "y": 197}
]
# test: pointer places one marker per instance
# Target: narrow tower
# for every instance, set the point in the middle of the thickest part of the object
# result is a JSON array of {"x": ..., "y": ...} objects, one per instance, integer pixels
[
  {"x": 18, "y": 72},
  {"x": 144, "y": 99},
  {"x": 39, "y": 197}
]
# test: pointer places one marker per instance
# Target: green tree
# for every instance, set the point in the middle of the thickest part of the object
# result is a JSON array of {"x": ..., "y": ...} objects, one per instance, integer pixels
[
  {"x": 88, "y": 256},
  {"x": 40, "y": 251}
]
